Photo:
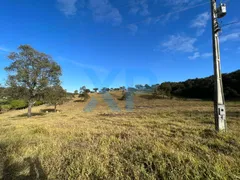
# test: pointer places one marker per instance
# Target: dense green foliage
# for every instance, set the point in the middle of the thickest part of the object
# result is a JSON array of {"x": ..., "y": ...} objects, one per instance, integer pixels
[
  {"x": 203, "y": 88},
  {"x": 38, "y": 103},
  {"x": 6, "y": 105},
  {"x": 18, "y": 104}
]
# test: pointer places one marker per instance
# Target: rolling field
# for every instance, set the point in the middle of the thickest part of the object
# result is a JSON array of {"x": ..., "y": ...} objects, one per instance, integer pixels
[{"x": 158, "y": 139}]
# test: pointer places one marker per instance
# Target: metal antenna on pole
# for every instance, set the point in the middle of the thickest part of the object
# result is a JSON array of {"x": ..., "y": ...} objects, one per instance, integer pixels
[{"x": 219, "y": 101}]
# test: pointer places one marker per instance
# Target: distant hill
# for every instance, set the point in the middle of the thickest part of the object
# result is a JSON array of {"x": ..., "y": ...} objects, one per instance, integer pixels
[{"x": 203, "y": 88}]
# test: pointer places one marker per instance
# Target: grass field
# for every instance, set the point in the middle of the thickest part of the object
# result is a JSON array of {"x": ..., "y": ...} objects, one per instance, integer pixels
[{"x": 159, "y": 139}]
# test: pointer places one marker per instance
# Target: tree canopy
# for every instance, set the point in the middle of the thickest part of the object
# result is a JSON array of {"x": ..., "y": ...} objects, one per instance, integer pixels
[
  {"x": 95, "y": 89},
  {"x": 55, "y": 95},
  {"x": 30, "y": 73}
]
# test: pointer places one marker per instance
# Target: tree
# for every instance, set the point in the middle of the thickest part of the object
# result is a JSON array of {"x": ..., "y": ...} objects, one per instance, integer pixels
[
  {"x": 139, "y": 86},
  {"x": 55, "y": 95},
  {"x": 95, "y": 89},
  {"x": 166, "y": 88},
  {"x": 82, "y": 89},
  {"x": 87, "y": 90},
  {"x": 84, "y": 93},
  {"x": 105, "y": 89},
  {"x": 146, "y": 86},
  {"x": 32, "y": 72},
  {"x": 2, "y": 91},
  {"x": 75, "y": 92},
  {"x": 122, "y": 88}
]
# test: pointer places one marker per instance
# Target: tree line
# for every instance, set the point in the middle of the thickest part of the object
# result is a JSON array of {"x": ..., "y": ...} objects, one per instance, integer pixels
[
  {"x": 203, "y": 88},
  {"x": 199, "y": 88}
]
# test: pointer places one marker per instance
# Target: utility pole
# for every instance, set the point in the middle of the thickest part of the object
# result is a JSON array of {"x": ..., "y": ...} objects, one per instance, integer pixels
[{"x": 219, "y": 101}]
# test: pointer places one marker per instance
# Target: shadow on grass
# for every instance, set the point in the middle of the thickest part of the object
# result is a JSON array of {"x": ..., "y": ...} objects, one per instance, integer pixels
[
  {"x": 208, "y": 133},
  {"x": 10, "y": 170},
  {"x": 33, "y": 114},
  {"x": 147, "y": 96},
  {"x": 150, "y": 96},
  {"x": 79, "y": 100},
  {"x": 49, "y": 110},
  {"x": 208, "y": 113}
]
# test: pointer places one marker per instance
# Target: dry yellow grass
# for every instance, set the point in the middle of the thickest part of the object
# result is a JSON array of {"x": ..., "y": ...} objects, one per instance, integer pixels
[{"x": 159, "y": 139}]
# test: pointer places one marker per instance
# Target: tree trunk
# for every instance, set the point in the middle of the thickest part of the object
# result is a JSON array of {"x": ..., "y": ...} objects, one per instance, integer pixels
[
  {"x": 29, "y": 109},
  {"x": 55, "y": 107}
]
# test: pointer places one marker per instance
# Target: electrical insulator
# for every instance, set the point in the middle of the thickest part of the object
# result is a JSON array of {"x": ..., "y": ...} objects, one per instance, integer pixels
[{"x": 216, "y": 27}]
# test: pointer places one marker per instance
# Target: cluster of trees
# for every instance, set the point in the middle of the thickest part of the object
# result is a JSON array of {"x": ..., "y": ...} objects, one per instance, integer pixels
[
  {"x": 83, "y": 93},
  {"x": 33, "y": 76},
  {"x": 202, "y": 88},
  {"x": 83, "y": 90}
]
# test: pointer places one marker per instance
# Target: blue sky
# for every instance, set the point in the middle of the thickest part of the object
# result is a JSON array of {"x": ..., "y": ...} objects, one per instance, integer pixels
[{"x": 120, "y": 43}]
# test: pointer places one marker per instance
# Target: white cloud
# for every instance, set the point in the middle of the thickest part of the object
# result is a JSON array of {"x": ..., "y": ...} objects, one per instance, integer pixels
[
  {"x": 87, "y": 66},
  {"x": 200, "y": 32},
  {"x": 205, "y": 55},
  {"x": 238, "y": 49},
  {"x": 139, "y": 7},
  {"x": 148, "y": 20},
  {"x": 3, "y": 49},
  {"x": 194, "y": 56},
  {"x": 68, "y": 7},
  {"x": 103, "y": 11},
  {"x": 180, "y": 43},
  {"x": 133, "y": 28},
  {"x": 82, "y": 65},
  {"x": 200, "y": 22},
  {"x": 167, "y": 18},
  {"x": 175, "y": 4},
  {"x": 199, "y": 55},
  {"x": 230, "y": 37}
]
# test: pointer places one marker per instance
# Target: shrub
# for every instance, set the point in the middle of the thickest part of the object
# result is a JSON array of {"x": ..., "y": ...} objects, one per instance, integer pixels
[
  {"x": 18, "y": 104},
  {"x": 38, "y": 103},
  {"x": 3, "y": 102},
  {"x": 5, "y": 107},
  {"x": 84, "y": 95}
]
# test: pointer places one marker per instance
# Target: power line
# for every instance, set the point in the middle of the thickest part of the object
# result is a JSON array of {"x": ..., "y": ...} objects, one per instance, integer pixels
[
  {"x": 170, "y": 13},
  {"x": 231, "y": 23},
  {"x": 131, "y": 4}
]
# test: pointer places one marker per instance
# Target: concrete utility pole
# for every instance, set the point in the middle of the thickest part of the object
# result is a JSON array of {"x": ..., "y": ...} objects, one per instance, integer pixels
[{"x": 219, "y": 101}]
